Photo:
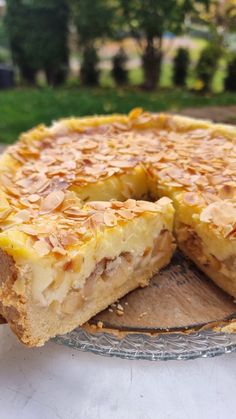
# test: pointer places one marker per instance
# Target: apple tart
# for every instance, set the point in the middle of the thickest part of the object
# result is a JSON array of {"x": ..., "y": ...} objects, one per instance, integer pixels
[{"x": 87, "y": 208}]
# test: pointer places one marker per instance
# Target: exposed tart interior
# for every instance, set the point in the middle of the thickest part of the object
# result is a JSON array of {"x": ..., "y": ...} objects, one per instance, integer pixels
[
  {"x": 49, "y": 289},
  {"x": 141, "y": 156},
  {"x": 180, "y": 298}
]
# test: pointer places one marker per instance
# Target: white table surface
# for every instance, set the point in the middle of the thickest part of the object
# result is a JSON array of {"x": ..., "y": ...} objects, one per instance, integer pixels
[{"x": 59, "y": 382}]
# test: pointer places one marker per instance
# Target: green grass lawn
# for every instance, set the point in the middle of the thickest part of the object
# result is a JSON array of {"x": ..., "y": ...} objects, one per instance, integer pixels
[{"x": 22, "y": 108}]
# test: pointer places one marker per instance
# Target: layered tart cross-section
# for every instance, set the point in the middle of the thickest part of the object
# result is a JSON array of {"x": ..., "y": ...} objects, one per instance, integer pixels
[{"x": 60, "y": 268}]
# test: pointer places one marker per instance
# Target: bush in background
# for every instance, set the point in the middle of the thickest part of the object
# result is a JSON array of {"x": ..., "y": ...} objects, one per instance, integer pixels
[
  {"x": 119, "y": 70},
  {"x": 89, "y": 72},
  {"x": 38, "y": 38},
  {"x": 19, "y": 27},
  {"x": 181, "y": 67},
  {"x": 93, "y": 22},
  {"x": 207, "y": 65},
  {"x": 51, "y": 37},
  {"x": 230, "y": 80}
]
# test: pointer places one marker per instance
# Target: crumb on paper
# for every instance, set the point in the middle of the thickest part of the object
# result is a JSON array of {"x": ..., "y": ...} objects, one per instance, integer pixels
[
  {"x": 110, "y": 310},
  {"x": 100, "y": 325},
  {"x": 143, "y": 314},
  {"x": 120, "y": 312}
]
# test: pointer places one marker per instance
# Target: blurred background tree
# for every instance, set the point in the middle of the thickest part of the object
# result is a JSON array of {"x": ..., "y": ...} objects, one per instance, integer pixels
[
  {"x": 94, "y": 22},
  {"x": 40, "y": 31},
  {"x": 207, "y": 65},
  {"x": 38, "y": 38},
  {"x": 117, "y": 46},
  {"x": 149, "y": 20}
]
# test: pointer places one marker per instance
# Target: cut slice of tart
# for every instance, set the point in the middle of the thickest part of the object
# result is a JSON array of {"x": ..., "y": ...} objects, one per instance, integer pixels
[
  {"x": 60, "y": 268},
  {"x": 206, "y": 234}
]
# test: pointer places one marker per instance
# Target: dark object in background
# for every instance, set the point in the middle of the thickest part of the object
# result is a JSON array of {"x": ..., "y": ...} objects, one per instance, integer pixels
[
  {"x": 230, "y": 80},
  {"x": 6, "y": 77},
  {"x": 119, "y": 71},
  {"x": 94, "y": 21},
  {"x": 207, "y": 65},
  {"x": 89, "y": 72},
  {"x": 181, "y": 67},
  {"x": 151, "y": 63},
  {"x": 38, "y": 36}
]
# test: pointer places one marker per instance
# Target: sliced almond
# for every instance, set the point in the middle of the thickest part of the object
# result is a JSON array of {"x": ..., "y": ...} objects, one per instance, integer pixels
[
  {"x": 42, "y": 247},
  {"x": 4, "y": 212},
  {"x": 23, "y": 215},
  {"x": 110, "y": 219},
  {"x": 52, "y": 202}
]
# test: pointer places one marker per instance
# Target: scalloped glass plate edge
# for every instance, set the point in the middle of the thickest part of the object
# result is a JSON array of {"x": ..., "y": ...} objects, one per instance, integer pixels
[{"x": 162, "y": 347}]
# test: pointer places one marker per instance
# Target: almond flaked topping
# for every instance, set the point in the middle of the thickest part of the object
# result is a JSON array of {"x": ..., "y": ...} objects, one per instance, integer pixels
[
  {"x": 147, "y": 206},
  {"x": 129, "y": 204},
  {"x": 221, "y": 214},
  {"x": 82, "y": 230},
  {"x": 42, "y": 247},
  {"x": 76, "y": 212},
  {"x": 60, "y": 250},
  {"x": 109, "y": 218},
  {"x": 227, "y": 192},
  {"x": 53, "y": 239},
  {"x": 52, "y": 202},
  {"x": 192, "y": 198},
  {"x": 23, "y": 216},
  {"x": 34, "y": 198},
  {"x": 4, "y": 213},
  {"x": 125, "y": 213},
  {"x": 28, "y": 229},
  {"x": 199, "y": 162},
  {"x": 68, "y": 239},
  {"x": 100, "y": 205},
  {"x": 40, "y": 185},
  {"x": 122, "y": 163},
  {"x": 87, "y": 145}
]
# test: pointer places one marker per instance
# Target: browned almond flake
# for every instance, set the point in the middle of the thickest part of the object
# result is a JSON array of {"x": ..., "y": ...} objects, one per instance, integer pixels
[
  {"x": 42, "y": 247},
  {"x": 28, "y": 229},
  {"x": 125, "y": 213},
  {"x": 23, "y": 216},
  {"x": 52, "y": 201},
  {"x": 122, "y": 163},
  {"x": 192, "y": 198},
  {"x": 34, "y": 198},
  {"x": 110, "y": 219}
]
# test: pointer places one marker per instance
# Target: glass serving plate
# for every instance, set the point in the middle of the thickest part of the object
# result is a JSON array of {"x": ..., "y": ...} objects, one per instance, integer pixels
[
  {"x": 163, "y": 347},
  {"x": 172, "y": 318}
]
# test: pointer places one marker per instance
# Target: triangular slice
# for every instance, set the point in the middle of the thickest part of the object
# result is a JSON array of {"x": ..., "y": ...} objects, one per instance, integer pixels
[{"x": 60, "y": 269}]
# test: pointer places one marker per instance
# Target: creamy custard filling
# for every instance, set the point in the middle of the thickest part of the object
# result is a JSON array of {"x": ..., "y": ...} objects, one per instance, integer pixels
[{"x": 111, "y": 274}]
